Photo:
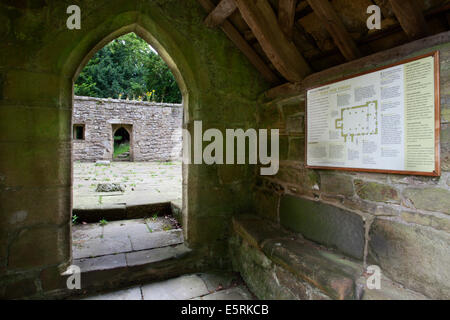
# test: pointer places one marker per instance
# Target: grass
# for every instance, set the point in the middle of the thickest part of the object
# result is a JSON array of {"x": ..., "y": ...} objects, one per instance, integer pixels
[{"x": 120, "y": 149}]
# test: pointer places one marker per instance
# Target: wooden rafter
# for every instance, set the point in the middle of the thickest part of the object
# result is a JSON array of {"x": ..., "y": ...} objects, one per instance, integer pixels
[
  {"x": 410, "y": 18},
  {"x": 220, "y": 13},
  {"x": 242, "y": 45},
  {"x": 325, "y": 12},
  {"x": 286, "y": 16},
  {"x": 282, "y": 53}
]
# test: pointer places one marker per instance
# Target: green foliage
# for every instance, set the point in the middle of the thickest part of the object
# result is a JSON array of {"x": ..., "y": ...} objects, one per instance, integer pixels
[
  {"x": 122, "y": 148},
  {"x": 127, "y": 68},
  {"x": 103, "y": 222},
  {"x": 74, "y": 219}
]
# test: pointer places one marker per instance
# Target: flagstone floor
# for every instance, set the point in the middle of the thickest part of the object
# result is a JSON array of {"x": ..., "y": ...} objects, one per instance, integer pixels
[
  {"x": 204, "y": 286},
  {"x": 143, "y": 183}
]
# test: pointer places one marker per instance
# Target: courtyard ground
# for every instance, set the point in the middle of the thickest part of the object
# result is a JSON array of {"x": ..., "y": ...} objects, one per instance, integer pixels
[
  {"x": 203, "y": 286},
  {"x": 143, "y": 183}
]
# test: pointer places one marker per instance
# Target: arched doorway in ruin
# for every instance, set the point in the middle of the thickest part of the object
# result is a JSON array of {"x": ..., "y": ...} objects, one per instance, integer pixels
[{"x": 122, "y": 144}]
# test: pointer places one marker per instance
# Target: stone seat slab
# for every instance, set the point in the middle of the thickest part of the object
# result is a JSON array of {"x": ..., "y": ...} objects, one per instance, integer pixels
[
  {"x": 333, "y": 273},
  {"x": 256, "y": 230}
]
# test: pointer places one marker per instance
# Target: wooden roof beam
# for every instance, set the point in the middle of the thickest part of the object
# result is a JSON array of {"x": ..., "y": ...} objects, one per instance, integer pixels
[
  {"x": 410, "y": 18},
  {"x": 243, "y": 45},
  {"x": 286, "y": 16},
  {"x": 281, "y": 52},
  {"x": 220, "y": 13},
  {"x": 325, "y": 12}
]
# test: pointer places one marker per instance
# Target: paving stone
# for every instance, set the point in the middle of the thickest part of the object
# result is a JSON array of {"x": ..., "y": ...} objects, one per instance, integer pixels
[
  {"x": 154, "y": 255},
  {"x": 214, "y": 281},
  {"x": 237, "y": 293},
  {"x": 146, "y": 240},
  {"x": 182, "y": 288},
  {"x": 127, "y": 294},
  {"x": 122, "y": 227},
  {"x": 107, "y": 245},
  {"x": 101, "y": 263}
]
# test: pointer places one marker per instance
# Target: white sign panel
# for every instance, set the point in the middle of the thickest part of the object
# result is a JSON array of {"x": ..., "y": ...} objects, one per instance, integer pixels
[{"x": 380, "y": 121}]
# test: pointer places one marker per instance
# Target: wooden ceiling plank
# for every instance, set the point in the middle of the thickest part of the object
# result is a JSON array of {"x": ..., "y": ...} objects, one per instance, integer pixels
[
  {"x": 410, "y": 18},
  {"x": 243, "y": 45},
  {"x": 220, "y": 13},
  {"x": 282, "y": 53},
  {"x": 325, "y": 12},
  {"x": 286, "y": 16}
]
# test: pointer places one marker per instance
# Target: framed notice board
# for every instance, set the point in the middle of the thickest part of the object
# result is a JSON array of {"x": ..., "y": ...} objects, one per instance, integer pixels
[{"x": 385, "y": 120}]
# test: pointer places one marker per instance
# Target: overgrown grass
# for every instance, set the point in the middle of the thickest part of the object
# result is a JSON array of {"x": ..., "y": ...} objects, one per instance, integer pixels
[{"x": 122, "y": 148}]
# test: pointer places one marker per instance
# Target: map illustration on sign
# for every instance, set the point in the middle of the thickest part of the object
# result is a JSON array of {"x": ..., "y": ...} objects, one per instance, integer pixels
[{"x": 358, "y": 121}]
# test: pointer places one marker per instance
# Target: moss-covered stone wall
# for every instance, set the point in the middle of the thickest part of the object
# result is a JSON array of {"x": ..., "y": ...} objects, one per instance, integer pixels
[
  {"x": 399, "y": 222},
  {"x": 39, "y": 58}
]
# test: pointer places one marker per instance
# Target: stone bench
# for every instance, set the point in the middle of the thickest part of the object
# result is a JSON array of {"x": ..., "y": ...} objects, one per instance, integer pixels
[{"x": 278, "y": 264}]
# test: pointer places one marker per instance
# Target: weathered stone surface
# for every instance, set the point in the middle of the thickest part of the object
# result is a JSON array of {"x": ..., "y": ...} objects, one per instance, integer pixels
[
  {"x": 256, "y": 230},
  {"x": 266, "y": 204},
  {"x": 295, "y": 123},
  {"x": 304, "y": 180},
  {"x": 182, "y": 288},
  {"x": 333, "y": 273},
  {"x": 218, "y": 280},
  {"x": 297, "y": 149},
  {"x": 39, "y": 246},
  {"x": 102, "y": 263},
  {"x": 127, "y": 294},
  {"x": 323, "y": 223},
  {"x": 445, "y": 144},
  {"x": 431, "y": 199},
  {"x": 431, "y": 220},
  {"x": 109, "y": 187},
  {"x": 374, "y": 191},
  {"x": 257, "y": 271},
  {"x": 52, "y": 279},
  {"x": 299, "y": 288},
  {"x": 147, "y": 240},
  {"x": 389, "y": 291},
  {"x": 18, "y": 289},
  {"x": 415, "y": 256},
  {"x": 154, "y": 255},
  {"x": 336, "y": 184},
  {"x": 236, "y": 293}
]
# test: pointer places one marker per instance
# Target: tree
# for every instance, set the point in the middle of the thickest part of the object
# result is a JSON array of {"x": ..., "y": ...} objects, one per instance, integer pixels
[{"x": 128, "y": 68}]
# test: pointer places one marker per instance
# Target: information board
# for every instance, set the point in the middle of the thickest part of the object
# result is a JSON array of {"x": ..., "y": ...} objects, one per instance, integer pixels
[{"x": 386, "y": 120}]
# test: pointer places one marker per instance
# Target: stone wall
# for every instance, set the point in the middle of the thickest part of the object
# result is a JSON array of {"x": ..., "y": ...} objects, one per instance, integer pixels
[
  {"x": 155, "y": 129},
  {"x": 399, "y": 222},
  {"x": 39, "y": 59}
]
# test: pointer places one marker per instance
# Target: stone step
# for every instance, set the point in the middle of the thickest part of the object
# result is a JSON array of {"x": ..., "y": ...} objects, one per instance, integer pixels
[
  {"x": 126, "y": 269},
  {"x": 334, "y": 274}
]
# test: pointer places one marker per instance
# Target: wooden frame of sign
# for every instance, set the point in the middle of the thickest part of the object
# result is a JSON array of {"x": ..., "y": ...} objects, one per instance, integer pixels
[{"x": 436, "y": 171}]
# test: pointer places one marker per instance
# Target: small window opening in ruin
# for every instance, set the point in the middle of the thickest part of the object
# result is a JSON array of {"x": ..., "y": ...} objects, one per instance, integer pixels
[
  {"x": 78, "y": 132},
  {"x": 127, "y": 176}
]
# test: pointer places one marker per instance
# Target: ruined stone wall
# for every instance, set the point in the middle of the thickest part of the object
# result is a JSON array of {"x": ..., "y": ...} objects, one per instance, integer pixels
[
  {"x": 399, "y": 222},
  {"x": 155, "y": 129}
]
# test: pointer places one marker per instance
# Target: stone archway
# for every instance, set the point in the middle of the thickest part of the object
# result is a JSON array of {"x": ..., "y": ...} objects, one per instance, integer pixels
[{"x": 219, "y": 87}]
